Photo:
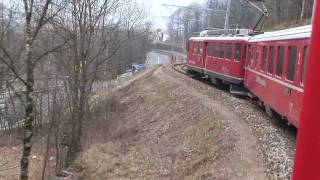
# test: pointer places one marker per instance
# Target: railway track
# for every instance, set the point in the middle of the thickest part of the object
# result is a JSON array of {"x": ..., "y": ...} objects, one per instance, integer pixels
[{"x": 182, "y": 69}]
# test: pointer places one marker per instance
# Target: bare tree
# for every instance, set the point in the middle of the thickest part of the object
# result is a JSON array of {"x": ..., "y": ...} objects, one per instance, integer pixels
[
  {"x": 36, "y": 15},
  {"x": 302, "y": 10},
  {"x": 95, "y": 31}
]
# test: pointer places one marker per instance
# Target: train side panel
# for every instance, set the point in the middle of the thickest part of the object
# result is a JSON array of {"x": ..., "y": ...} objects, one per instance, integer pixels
[
  {"x": 225, "y": 60},
  {"x": 275, "y": 73}
]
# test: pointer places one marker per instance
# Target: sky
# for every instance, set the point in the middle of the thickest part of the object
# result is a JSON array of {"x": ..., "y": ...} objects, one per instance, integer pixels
[{"x": 159, "y": 14}]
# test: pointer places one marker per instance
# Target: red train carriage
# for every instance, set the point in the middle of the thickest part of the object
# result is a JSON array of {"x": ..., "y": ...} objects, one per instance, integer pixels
[
  {"x": 224, "y": 60},
  {"x": 276, "y": 69}
]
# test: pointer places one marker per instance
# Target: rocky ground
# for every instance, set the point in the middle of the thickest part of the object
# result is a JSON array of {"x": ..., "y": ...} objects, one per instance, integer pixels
[{"x": 164, "y": 125}]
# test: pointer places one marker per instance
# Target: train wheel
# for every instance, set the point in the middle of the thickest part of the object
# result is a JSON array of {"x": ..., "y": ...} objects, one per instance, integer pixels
[
  {"x": 269, "y": 111},
  {"x": 188, "y": 72},
  {"x": 193, "y": 74},
  {"x": 216, "y": 81},
  {"x": 260, "y": 103}
]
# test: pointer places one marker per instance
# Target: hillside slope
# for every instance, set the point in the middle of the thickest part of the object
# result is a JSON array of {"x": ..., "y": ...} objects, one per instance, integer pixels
[{"x": 156, "y": 127}]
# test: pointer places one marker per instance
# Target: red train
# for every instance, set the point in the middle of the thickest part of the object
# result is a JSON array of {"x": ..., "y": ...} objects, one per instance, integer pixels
[
  {"x": 220, "y": 58},
  {"x": 270, "y": 67}
]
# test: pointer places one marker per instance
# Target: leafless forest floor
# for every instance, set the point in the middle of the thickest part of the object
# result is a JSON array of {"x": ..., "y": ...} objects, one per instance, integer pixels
[
  {"x": 10, "y": 154},
  {"x": 159, "y": 127}
]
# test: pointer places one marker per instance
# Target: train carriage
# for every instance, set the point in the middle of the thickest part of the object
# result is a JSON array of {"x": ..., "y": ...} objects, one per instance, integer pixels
[
  {"x": 276, "y": 68},
  {"x": 220, "y": 58},
  {"x": 224, "y": 60}
]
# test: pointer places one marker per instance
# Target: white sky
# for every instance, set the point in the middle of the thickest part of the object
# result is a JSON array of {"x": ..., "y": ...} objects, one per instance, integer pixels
[{"x": 157, "y": 10}]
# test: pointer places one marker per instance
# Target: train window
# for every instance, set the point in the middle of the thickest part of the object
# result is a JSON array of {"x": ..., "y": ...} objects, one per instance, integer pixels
[
  {"x": 216, "y": 50},
  {"x": 264, "y": 60},
  {"x": 195, "y": 47},
  {"x": 200, "y": 48},
  {"x": 210, "y": 49},
  {"x": 271, "y": 62},
  {"x": 221, "y": 54},
  {"x": 292, "y": 63},
  {"x": 238, "y": 51},
  {"x": 257, "y": 58},
  {"x": 251, "y": 56},
  {"x": 280, "y": 60},
  {"x": 229, "y": 50},
  {"x": 305, "y": 63}
]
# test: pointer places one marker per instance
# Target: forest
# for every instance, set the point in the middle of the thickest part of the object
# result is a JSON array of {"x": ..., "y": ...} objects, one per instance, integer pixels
[{"x": 211, "y": 15}]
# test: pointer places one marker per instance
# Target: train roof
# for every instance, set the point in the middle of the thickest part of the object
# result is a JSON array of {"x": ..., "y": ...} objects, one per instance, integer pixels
[
  {"x": 221, "y": 38},
  {"x": 286, "y": 34}
]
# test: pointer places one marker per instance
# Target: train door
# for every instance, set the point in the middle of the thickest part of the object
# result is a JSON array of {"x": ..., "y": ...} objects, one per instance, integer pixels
[
  {"x": 215, "y": 56},
  {"x": 204, "y": 54},
  {"x": 200, "y": 54},
  {"x": 237, "y": 59},
  {"x": 249, "y": 61},
  {"x": 193, "y": 53}
]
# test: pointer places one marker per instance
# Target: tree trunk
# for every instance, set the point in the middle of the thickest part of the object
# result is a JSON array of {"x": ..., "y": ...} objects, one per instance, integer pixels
[
  {"x": 29, "y": 106},
  {"x": 302, "y": 10},
  {"x": 278, "y": 11}
]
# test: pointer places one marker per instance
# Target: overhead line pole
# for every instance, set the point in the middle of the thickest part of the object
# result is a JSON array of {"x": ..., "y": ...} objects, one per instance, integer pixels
[{"x": 226, "y": 22}]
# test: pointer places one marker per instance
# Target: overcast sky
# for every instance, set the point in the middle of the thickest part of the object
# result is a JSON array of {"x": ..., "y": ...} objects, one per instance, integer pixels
[{"x": 157, "y": 10}]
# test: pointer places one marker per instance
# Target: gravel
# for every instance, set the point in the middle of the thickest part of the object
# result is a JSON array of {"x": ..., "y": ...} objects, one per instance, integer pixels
[
  {"x": 276, "y": 140},
  {"x": 277, "y": 143}
]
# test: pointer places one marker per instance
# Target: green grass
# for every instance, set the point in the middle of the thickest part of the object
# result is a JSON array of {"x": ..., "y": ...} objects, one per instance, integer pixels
[{"x": 215, "y": 125}]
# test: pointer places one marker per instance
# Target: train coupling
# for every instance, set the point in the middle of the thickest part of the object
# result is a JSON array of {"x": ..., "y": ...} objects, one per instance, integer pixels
[{"x": 239, "y": 91}]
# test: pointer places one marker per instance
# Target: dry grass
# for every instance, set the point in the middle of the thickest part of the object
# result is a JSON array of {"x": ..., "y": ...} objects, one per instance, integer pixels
[{"x": 153, "y": 135}]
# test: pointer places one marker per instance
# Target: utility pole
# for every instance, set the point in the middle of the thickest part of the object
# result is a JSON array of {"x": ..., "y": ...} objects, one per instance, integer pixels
[{"x": 226, "y": 22}]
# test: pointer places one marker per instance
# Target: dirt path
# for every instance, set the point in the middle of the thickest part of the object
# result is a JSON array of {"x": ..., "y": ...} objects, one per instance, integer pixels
[{"x": 158, "y": 127}]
